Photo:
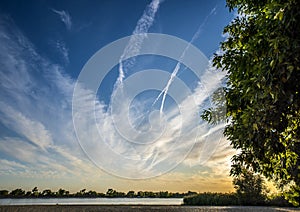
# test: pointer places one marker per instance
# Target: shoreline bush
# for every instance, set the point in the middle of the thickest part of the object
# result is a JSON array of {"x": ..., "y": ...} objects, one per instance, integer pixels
[{"x": 232, "y": 199}]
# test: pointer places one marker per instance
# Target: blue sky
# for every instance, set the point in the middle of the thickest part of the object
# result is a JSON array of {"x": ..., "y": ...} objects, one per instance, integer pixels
[{"x": 45, "y": 46}]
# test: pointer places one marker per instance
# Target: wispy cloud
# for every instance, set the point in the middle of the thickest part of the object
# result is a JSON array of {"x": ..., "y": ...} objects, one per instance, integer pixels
[
  {"x": 120, "y": 144},
  {"x": 63, "y": 50},
  {"x": 35, "y": 107},
  {"x": 34, "y": 131},
  {"x": 114, "y": 141},
  {"x": 64, "y": 17},
  {"x": 36, "y": 103}
]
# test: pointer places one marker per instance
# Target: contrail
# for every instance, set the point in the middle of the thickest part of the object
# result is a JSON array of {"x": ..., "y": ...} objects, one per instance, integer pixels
[
  {"x": 164, "y": 92},
  {"x": 136, "y": 40}
]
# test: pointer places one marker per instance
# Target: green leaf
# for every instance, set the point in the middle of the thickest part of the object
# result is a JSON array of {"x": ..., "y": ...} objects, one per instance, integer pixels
[
  {"x": 279, "y": 15},
  {"x": 290, "y": 68}
]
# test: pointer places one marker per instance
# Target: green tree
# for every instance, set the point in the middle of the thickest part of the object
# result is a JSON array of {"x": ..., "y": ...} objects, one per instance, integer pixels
[
  {"x": 17, "y": 193},
  {"x": 47, "y": 193},
  {"x": 130, "y": 194},
  {"x": 141, "y": 194},
  {"x": 35, "y": 192},
  {"x": 262, "y": 59},
  {"x": 83, "y": 191},
  {"x": 62, "y": 192},
  {"x": 111, "y": 192},
  {"x": 3, "y": 193},
  {"x": 249, "y": 188},
  {"x": 163, "y": 194},
  {"x": 120, "y": 194}
]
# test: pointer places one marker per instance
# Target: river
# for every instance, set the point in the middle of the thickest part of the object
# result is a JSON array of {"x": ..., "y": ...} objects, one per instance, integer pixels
[{"x": 93, "y": 201}]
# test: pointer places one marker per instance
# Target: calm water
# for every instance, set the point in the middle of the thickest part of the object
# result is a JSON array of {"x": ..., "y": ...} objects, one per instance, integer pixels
[{"x": 93, "y": 201}]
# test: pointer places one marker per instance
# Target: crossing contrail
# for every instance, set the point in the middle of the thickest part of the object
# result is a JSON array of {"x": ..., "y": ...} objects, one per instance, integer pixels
[{"x": 164, "y": 92}]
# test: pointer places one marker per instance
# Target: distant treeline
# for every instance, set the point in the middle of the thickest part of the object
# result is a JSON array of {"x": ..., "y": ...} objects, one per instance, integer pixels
[{"x": 111, "y": 193}]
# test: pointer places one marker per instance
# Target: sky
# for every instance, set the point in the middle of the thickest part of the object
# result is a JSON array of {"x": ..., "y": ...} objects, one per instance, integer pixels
[{"x": 108, "y": 94}]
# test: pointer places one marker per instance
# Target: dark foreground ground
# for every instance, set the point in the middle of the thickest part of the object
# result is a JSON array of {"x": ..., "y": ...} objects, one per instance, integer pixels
[{"x": 143, "y": 208}]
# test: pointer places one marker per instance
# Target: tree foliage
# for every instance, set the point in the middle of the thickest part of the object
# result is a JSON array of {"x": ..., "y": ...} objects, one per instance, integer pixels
[
  {"x": 249, "y": 188},
  {"x": 261, "y": 57}
]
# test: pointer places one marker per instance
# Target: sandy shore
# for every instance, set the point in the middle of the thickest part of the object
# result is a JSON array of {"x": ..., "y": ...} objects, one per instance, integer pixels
[{"x": 126, "y": 208}]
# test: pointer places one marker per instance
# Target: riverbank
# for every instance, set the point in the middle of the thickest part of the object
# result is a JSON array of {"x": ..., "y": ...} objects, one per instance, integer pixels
[{"x": 127, "y": 208}]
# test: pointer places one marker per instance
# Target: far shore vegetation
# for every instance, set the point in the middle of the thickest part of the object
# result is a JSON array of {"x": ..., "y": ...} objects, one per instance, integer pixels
[
  {"x": 111, "y": 193},
  {"x": 250, "y": 190}
]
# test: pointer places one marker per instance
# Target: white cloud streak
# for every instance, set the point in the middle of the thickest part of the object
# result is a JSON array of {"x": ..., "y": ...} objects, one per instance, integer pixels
[
  {"x": 34, "y": 131},
  {"x": 63, "y": 50},
  {"x": 64, "y": 17},
  {"x": 136, "y": 40}
]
